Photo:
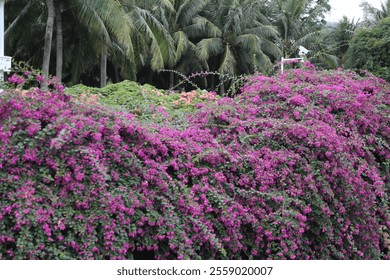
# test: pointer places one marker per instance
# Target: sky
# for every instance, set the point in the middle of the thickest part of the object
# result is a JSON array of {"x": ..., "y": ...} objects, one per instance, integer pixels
[{"x": 350, "y": 8}]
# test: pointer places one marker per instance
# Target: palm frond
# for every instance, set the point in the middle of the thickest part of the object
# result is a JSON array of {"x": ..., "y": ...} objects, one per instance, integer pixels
[
  {"x": 248, "y": 42},
  {"x": 162, "y": 44},
  {"x": 330, "y": 60},
  {"x": 113, "y": 20},
  {"x": 228, "y": 64},
  {"x": 202, "y": 27},
  {"x": 268, "y": 31},
  {"x": 312, "y": 36},
  {"x": 270, "y": 48},
  {"x": 209, "y": 47},
  {"x": 26, "y": 10},
  {"x": 182, "y": 43},
  {"x": 188, "y": 10}
]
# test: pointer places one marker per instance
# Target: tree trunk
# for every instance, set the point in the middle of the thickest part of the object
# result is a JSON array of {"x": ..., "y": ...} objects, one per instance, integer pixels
[
  {"x": 212, "y": 82},
  {"x": 222, "y": 86},
  {"x": 117, "y": 75},
  {"x": 60, "y": 44},
  {"x": 171, "y": 80},
  {"x": 48, "y": 39},
  {"x": 103, "y": 67}
]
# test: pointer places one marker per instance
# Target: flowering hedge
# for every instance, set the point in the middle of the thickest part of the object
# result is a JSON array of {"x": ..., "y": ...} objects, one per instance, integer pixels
[{"x": 296, "y": 167}]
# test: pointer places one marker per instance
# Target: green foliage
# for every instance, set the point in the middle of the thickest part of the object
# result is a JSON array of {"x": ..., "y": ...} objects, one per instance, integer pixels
[
  {"x": 145, "y": 101},
  {"x": 369, "y": 49},
  {"x": 341, "y": 37},
  {"x": 299, "y": 23},
  {"x": 231, "y": 37},
  {"x": 243, "y": 41},
  {"x": 88, "y": 26},
  {"x": 373, "y": 14}
]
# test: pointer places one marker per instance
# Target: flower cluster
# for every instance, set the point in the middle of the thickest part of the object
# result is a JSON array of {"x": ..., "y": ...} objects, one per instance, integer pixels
[
  {"x": 296, "y": 167},
  {"x": 91, "y": 99},
  {"x": 24, "y": 77},
  {"x": 193, "y": 97},
  {"x": 15, "y": 79}
]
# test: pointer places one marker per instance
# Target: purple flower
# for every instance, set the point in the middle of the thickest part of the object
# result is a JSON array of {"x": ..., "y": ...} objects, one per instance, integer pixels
[
  {"x": 16, "y": 79},
  {"x": 47, "y": 229},
  {"x": 40, "y": 78}
]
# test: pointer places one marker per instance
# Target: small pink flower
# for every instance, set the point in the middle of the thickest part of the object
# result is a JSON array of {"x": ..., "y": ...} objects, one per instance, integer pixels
[
  {"x": 47, "y": 229},
  {"x": 40, "y": 78},
  {"x": 307, "y": 210}
]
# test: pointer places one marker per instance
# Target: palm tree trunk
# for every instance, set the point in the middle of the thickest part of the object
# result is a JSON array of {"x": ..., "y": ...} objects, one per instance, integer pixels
[
  {"x": 117, "y": 76},
  {"x": 48, "y": 39},
  {"x": 205, "y": 84},
  {"x": 222, "y": 87},
  {"x": 103, "y": 67},
  {"x": 171, "y": 80},
  {"x": 60, "y": 44}
]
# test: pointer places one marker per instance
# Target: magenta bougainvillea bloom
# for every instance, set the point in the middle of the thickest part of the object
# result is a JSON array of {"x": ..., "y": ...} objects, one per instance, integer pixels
[
  {"x": 295, "y": 167},
  {"x": 15, "y": 79}
]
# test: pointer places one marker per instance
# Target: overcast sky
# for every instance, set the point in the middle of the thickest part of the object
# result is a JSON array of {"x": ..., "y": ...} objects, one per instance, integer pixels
[{"x": 350, "y": 8}]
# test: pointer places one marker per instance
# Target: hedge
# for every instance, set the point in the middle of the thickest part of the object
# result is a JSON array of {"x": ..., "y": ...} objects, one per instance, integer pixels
[{"x": 295, "y": 167}]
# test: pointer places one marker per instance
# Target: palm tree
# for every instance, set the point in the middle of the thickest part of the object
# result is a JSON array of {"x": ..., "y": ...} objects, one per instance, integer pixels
[
  {"x": 295, "y": 26},
  {"x": 59, "y": 41},
  {"x": 106, "y": 20},
  {"x": 48, "y": 39},
  {"x": 339, "y": 39},
  {"x": 301, "y": 24},
  {"x": 25, "y": 46},
  {"x": 373, "y": 15},
  {"x": 237, "y": 38},
  {"x": 156, "y": 36},
  {"x": 178, "y": 18}
]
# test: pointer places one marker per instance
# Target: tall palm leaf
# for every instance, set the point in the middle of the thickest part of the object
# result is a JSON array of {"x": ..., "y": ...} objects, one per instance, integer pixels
[
  {"x": 22, "y": 45},
  {"x": 298, "y": 27},
  {"x": 176, "y": 17},
  {"x": 339, "y": 39},
  {"x": 373, "y": 15},
  {"x": 238, "y": 39},
  {"x": 161, "y": 43},
  {"x": 109, "y": 21}
]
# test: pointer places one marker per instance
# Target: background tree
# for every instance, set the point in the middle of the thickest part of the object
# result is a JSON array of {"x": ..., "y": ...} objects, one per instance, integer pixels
[
  {"x": 25, "y": 44},
  {"x": 59, "y": 40},
  {"x": 96, "y": 41},
  {"x": 369, "y": 49},
  {"x": 108, "y": 22},
  {"x": 181, "y": 19},
  {"x": 373, "y": 15},
  {"x": 341, "y": 37},
  {"x": 299, "y": 23},
  {"x": 237, "y": 39},
  {"x": 48, "y": 38},
  {"x": 100, "y": 21},
  {"x": 153, "y": 18}
]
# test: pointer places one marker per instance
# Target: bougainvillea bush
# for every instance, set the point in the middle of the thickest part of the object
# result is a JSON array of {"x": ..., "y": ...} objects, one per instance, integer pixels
[{"x": 295, "y": 167}]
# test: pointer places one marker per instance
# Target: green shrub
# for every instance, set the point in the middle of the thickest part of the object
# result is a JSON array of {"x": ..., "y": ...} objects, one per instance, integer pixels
[{"x": 144, "y": 101}]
